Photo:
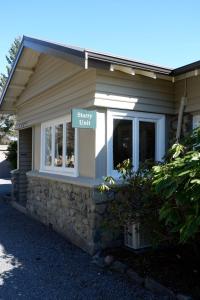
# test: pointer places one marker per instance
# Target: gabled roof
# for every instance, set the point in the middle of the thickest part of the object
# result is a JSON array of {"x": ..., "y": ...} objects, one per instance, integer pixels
[
  {"x": 64, "y": 51},
  {"x": 84, "y": 57},
  {"x": 26, "y": 61}
]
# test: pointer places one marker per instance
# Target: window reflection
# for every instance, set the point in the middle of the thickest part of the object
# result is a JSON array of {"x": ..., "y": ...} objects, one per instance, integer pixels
[
  {"x": 58, "y": 160},
  {"x": 122, "y": 141},
  {"x": 48, "y": 146},
  {"x": 70, "y": 137},
  {"x": 147, "y": 141}
]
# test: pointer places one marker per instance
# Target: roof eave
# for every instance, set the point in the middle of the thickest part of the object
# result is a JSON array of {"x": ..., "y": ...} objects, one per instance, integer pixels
[
  {"x": 76, "y": 55},
  {"x": 187, "y": 68},
  {"x": 128, "y": 63}
]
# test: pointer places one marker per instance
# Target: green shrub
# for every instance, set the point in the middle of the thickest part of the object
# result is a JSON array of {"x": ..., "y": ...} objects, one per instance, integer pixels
[
  {"x": 134, "y": 200},
  {"x": 178, "y": 180},
  {"x": 165, "y": 197},
  {"x": 11, "y": 154}
]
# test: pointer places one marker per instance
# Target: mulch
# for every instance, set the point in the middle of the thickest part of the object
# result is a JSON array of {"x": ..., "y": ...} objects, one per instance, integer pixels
[{"x": 176, "y": 268}]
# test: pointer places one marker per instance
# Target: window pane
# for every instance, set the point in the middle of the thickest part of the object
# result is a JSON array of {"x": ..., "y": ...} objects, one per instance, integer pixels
[
  {"x": 58, "y": 145},
  {"x": 48, "y": 146},
  {"x": 70, "y": 136},
  {"x": 122, "y": 141},
  {"x": 147, "y": 141}
]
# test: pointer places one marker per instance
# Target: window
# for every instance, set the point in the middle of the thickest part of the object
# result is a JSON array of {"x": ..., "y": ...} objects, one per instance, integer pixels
[
  {"x": 147, "y": 141},
  {"x": 134, "y": 135},
  {"x": 70, "y": 134},
  {"x": 48, "y": 146},
  {"x": 58, "y": 147},
  {"x": 58, "y": 158},
  {"x": 122, "y": 140},
  {"x": 196, "y": 121}
]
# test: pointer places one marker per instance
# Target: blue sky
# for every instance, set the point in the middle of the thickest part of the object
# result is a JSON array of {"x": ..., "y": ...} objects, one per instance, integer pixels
[{"x": 162, "y": 32}]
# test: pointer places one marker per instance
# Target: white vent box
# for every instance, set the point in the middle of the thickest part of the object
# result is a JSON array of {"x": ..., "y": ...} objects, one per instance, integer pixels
[{"x": 136, "y": 237}]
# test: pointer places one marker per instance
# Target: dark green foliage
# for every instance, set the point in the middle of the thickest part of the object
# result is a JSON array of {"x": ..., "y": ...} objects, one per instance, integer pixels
[
  {"x": 165, "y": 197},
  {"x": 10, "y": 60},
  {"x": 11, "y": 154},
  {"x": 12, "y": 53},
  {"x": 134, "y": 200},
  {"x": 6, "y": 121},
  {"x": 178, "y": 181},
  {"x": 3, "y": 79}
]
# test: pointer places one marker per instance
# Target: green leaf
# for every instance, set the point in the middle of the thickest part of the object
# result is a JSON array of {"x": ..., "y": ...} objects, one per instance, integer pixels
[{"x": 197, "y": 181}]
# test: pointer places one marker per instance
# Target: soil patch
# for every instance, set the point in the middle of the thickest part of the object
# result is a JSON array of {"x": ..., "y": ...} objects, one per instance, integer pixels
[{"x": 178, "y": 269}]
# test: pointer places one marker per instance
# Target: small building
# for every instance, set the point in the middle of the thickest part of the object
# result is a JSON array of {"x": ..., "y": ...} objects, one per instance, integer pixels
[{"x": 139, "y": 108}]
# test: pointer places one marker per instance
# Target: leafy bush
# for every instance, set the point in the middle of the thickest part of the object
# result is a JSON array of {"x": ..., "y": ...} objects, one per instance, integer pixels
[
  {"x": 134, "y": 200},
  {"x": 11, "y": 154},
  {"x": 178, "y": 180},
  {"x": 165, "y": 197}
]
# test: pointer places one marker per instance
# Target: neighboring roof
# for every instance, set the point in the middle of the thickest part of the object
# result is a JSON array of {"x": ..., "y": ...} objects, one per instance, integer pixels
[
  {"x": 84, "y": 57},
  {"x": 187, "y": 68}
]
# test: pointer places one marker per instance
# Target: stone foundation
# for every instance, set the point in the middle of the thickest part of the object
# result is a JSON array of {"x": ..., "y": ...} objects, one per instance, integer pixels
[{"x": 75, "y": 211}]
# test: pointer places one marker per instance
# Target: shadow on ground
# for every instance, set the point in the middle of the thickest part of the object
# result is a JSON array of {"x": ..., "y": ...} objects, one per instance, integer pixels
[
  {"x": 5, "y": 187},
  {"x": 36, "y": 263},
  {"x": 5, "y": 168}
]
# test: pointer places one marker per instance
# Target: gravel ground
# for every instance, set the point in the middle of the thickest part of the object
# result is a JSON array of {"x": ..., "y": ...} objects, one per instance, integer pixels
[{"x": 36, "y": 263}]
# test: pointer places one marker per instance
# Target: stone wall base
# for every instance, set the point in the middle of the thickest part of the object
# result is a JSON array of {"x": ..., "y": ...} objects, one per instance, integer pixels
[
  {"x": 76, "y": 212},
  {"x": 19, "y": 207}
]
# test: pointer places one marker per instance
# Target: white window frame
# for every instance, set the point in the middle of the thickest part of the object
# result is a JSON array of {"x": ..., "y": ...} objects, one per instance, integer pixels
[
  {"x": 73, "y": 172},
  {"x": 196, "y": 121},
  {"x": 136, "y": 117}
]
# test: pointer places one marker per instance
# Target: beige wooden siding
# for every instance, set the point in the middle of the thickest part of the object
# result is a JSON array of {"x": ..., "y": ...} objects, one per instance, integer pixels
[
  {"x": 49, "y": 71},
  {"x": 86, "y": 154},
  {"x": 193, "y": 93},
  {"x": 7, "y": 107},
  {"x": 55, "y": 87},
  {"x": 151, "y": 95}
]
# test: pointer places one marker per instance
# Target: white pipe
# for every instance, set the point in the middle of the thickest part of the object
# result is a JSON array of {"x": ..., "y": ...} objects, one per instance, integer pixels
[
  {"x": 86, "y": 60},
  {"x": 180, "y": 117}
]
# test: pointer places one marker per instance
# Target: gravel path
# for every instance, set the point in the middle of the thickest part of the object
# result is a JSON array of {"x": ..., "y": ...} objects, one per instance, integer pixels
[{"x": 36, "y": 263}]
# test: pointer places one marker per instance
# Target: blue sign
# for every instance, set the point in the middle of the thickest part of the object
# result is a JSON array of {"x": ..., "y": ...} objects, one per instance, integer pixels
[{"x": 82, "y": 118}]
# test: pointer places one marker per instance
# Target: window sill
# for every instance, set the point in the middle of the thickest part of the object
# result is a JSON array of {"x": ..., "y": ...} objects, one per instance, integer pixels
[
  {"x": 70, "y": 172},
  {"x": 80, "y": 181}
]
